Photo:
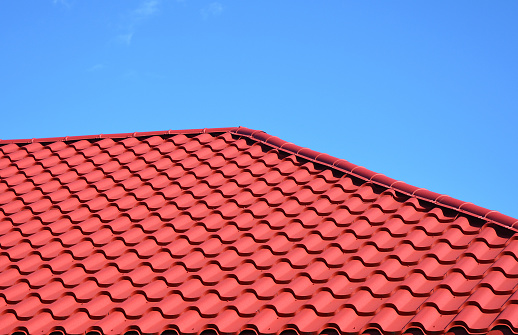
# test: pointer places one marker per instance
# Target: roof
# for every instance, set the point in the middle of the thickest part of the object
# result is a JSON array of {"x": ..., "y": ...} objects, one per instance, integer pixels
[{"x": 231, "y": 230}]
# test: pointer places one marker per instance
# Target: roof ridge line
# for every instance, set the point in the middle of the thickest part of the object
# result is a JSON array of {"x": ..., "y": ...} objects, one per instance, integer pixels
[
  {"x": 315, "y": 156},
  {"x": 464, "y": 207},
  {"x": 118, "y": 135}
]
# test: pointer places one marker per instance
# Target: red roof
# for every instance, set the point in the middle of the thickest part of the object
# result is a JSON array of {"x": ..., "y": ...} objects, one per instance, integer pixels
[{"x": 232, "y": 230}]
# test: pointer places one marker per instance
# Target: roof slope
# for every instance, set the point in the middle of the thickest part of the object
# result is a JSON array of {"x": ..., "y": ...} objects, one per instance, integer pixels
[{"x": 233, "y": 230}]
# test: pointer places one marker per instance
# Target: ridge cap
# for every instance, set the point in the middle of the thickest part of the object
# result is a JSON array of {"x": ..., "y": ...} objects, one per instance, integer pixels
[
  {"x": 339, "y": 164},
  {"x": 361, "y": 172},
  {"x": 117, "y": 135}
]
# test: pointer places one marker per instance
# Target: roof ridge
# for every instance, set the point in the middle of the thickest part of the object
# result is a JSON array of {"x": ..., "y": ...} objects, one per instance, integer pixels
[
  {"x": 318, "y": 157},
  {"x": 361, "y": 172},
  {"x": 118, "y": 135}
]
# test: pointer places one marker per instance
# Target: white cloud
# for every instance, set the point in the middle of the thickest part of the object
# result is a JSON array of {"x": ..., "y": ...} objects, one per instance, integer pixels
[
  {"x": 143, "y": 12},
  {"x": 95, "y": 67},
  {"x": 130, "y": 75},
  {"x": 65, "y": 3},
  {"x": 125, "y": 38},
  {"x": 146, "y": 9},
  {"x": 212, "y": 9}
]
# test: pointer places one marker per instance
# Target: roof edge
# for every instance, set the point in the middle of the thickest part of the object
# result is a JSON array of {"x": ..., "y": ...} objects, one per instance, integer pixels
[
  {"x": 380, "y": 179},
  {"x": 118, "y": 135},
  {"x": 317, "y": 157}
]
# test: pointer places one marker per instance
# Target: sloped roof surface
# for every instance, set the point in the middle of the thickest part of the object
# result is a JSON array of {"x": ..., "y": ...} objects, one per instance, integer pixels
[{"x": 233, "y": 230}]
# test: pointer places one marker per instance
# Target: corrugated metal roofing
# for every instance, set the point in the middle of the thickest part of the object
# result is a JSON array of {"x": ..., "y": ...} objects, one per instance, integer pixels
[{"x": 233, "y": 230}]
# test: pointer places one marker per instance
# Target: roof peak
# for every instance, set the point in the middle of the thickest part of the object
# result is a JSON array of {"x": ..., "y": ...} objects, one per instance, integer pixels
[{"x": 361, "y": 172}]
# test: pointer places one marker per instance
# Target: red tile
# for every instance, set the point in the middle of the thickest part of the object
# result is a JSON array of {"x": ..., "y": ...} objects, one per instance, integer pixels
[
  {"x": 482, "y": 252},
  {"x": 348, "y": 242},
  {"x": 285, "y": 304},
  {"x": 268, "y": 321},
  {"x": 40, "y": 323},
  {"x": 470, "y": 267},
  {"x": 378, "y": 285},
  {"x": 474, "y": 319},
  {"x": 9, "y": 277},
  {"x": 445, "y": 301},
  {"x": 324, "y": 303},
  {"x": 16, "y": 293},
  {"x": 347, "y": 320},
  {"x": 487, "y": 301},
  {"x": 458, "y": 284},
  {"x": 390, "y": 320},
  {"x": 214, "y": 229},
  {"x": 27, "y": 308},
  {"x": 431, "y": 320},
  {"x": 498, "y": 282}
]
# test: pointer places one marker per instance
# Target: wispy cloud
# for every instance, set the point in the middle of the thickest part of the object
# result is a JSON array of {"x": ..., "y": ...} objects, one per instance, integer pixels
[
  {"x": 146, "y": 9},
  {"x": 135, "y": 17},
  {"x": 212, "y": 9},
  {"x": 95, "y": 67},
  {"x": 125, "y": 38},
  {"x": 130, "y": 75},
  {"x": 66, "y": 3},
  {"x": 133, "y": 74}
]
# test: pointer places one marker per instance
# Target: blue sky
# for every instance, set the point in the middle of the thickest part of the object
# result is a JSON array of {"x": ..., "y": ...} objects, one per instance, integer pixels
[{"x": 424, "y": 92}]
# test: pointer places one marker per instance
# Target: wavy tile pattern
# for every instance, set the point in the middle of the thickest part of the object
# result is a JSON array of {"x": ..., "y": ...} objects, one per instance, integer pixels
[{"x": 190, "y": 232}]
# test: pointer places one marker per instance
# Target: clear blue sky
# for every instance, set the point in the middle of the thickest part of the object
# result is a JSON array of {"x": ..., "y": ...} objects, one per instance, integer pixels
[{"x": 422, "y": 91}]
